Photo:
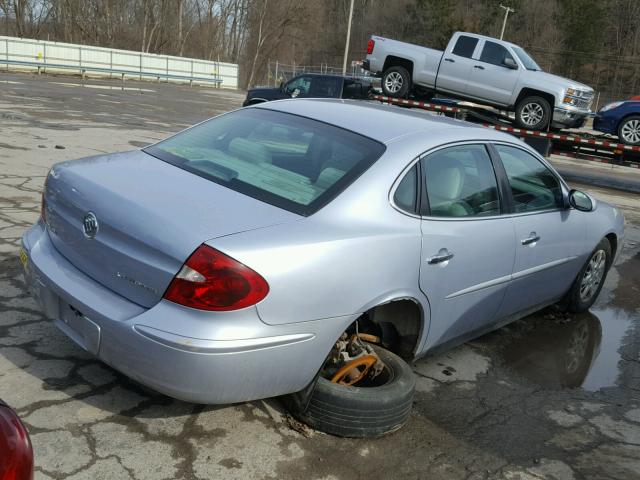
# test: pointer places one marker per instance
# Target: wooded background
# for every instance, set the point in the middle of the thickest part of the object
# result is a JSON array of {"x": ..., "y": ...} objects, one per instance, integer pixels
[{"x": 593, "y": 41}]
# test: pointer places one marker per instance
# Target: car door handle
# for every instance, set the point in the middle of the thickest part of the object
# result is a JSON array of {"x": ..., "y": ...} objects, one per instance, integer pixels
[
  {"x": 449, "y": 60},
  {"x": 479, "y": 67},
  {"x": 532, "y": 239},
  {"x": 443, "y": 255}
]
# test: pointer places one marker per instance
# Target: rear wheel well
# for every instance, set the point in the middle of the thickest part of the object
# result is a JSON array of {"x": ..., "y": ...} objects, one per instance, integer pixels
[
  {"x": 398, "y": 324},
  {"x": 632, "y": 114},
  {"x": 530, "y": 92},
  {"x": 392, "y": 61}
]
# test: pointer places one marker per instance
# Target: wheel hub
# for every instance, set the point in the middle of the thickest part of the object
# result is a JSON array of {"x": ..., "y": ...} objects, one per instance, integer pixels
[
  {"x": 393, "y": 83},
  {"x": 532, "y": 114},
  {"x": 593, "y": 275},
  {"x": 630, "y": 131}
]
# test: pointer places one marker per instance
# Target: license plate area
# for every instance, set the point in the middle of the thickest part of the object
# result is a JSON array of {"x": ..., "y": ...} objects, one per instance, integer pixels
[{"x": 78, "y": 327}]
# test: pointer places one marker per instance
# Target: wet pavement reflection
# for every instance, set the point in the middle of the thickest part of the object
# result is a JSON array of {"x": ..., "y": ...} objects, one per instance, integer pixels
[
  {"x": 588, "y": 350},
  {"x": 570, "y": 351}
]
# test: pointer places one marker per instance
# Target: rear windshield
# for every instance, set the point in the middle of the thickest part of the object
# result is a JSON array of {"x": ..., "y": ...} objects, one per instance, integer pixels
[{"x": 286, "y": 160}]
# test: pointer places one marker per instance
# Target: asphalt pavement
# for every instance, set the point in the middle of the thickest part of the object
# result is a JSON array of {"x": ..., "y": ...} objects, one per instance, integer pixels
[{"x": 551, "y": 396}]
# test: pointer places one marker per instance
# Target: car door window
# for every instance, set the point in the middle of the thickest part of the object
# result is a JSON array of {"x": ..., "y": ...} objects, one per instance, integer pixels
[
  {"x": 461, "y": 182},
  {"x": 494, "y": 53},
  {"x": 533, "y": 185},
  {"x": 327, "y": 87},
  {"x": 465, "y": 46},
  {"x": 302, "y": 84}
]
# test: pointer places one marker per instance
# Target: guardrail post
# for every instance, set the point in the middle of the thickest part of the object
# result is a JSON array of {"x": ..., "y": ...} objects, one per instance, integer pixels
[
  {"x": 141, "y": 67},
  {"x": 44, "y": 56},
  {"x": 80, "y": 60},
  {"x": 111, "y": 64},
  {"x": 6, "y": 46},
  {"x": 191, "y": 79}
]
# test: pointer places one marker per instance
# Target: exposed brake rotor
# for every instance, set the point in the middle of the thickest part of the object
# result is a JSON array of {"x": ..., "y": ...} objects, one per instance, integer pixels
[{"x": 352, "y": 360}]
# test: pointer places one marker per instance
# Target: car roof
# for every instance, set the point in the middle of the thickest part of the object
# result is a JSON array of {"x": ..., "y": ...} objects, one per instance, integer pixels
[{"x": 382, "y": 122}]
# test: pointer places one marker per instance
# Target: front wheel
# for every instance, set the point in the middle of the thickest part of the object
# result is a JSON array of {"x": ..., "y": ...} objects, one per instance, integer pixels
[
  {"x": 533, "y": 113},
  {"x": 589, "y": 281},
  {"x": 629, "y": 130},
  {"x": 396, "y": 82}
]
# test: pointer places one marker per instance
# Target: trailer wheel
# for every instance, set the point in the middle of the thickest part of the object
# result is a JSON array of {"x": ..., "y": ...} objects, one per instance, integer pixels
[
  {"x": 533, "y": 113},
  {"x": 396, "y": 82},
  {"x": 358, "y": 411},
  {"x": 629, "y": 130}
]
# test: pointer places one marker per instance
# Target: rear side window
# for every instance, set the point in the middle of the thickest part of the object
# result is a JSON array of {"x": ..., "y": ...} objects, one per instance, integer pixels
[
  {"x": 325, "y": 87},
  {"x": 465, "y": 46},
  {"x": 494, "y": 53},
  {"x": 461, "y": 182},
  {"x": 406, "y": 195},
  {"x": 533, "y": 185},
  {"x": 286, "y": 160}
]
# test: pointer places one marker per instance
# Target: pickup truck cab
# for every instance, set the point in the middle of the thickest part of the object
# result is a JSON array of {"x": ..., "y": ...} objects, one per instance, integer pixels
[
  {"x": 485, "y": 70},
  {"x": 311, "y": 85}
]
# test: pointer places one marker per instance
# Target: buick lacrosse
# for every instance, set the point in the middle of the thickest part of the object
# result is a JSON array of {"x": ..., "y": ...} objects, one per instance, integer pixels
[{"x": 308, "y": 246}]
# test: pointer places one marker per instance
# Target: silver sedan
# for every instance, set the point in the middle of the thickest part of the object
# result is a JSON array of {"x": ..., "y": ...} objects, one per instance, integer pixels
[{"x": 226, "y": 263}]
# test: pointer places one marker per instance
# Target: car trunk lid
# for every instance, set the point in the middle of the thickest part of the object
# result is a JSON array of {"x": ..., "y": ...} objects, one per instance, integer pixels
[{"x": 149, "y": 217}]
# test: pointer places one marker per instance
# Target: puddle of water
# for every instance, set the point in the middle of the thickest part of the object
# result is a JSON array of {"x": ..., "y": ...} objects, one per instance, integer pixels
[
  {"x": 569, "y": 352},
  {"x": 585, "y": 350}
]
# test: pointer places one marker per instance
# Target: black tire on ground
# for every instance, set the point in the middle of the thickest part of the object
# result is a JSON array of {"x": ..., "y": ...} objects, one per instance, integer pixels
[
  {"x": 629, "y": 130},
  {"x": 575, "y": 301},
  {"x": 396, "y": 82},
  {"x": 359, "y": 411},
  {"x": 533, "y": 113}
]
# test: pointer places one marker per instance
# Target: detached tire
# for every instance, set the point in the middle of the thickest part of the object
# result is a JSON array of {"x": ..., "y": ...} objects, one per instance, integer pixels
[
  {"x": 359, "y": 411},
  {"x": 533, "y": 113},
  {"x": 587, "y": 285},
  {"x": 396, "y": 82}
]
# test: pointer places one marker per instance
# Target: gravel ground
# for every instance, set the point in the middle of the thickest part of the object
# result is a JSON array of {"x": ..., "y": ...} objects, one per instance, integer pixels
[{"x": 505, "y": 406}]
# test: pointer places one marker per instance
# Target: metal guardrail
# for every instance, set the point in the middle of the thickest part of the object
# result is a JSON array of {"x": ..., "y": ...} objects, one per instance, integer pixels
[
  {"x": 42, "y": 55},
  {"x": 41, "y": 67}
]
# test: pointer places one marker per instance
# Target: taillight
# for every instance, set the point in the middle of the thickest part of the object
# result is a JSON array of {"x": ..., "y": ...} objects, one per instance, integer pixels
[
  {"x": 16, "y": 453},
  {"x": 370, "y": 44},
  {"x": 211, "y": 280}
]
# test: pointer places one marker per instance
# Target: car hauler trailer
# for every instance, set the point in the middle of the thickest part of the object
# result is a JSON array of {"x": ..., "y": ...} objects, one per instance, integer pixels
[{"x": 586, "y": 146}]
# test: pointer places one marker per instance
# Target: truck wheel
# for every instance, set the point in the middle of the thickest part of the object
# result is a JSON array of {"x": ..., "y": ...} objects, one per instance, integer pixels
[
  {"x": 588, "y": 283},
  {"x": 359, "y": 411},
  {"x": 533, "y": 113},
  {"x": 396, "y": 82},
  {"x": 629, "y": 130}
]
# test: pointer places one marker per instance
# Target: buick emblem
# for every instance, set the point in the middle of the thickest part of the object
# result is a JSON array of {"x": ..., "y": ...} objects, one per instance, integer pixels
[{"x": 90, "y": 225}]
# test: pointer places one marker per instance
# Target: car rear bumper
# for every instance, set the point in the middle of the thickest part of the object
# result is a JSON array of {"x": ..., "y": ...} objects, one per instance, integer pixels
[{"x": 202, "y": 357}]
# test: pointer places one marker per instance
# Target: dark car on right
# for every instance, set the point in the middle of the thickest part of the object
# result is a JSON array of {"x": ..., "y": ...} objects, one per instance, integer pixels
[{"x": 621, "y": 119}]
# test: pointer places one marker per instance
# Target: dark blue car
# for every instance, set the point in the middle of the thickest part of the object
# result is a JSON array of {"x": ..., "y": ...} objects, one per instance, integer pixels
[{"x": 621, "y": 119}]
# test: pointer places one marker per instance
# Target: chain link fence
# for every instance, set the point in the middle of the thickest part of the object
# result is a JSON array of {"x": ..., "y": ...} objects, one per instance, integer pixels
[{"x": 278, "y": 72}]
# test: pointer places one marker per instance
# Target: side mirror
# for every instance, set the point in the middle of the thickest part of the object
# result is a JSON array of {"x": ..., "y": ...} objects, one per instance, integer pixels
[
  {"x": 281, "y": 86},
  {"x": 510, "y": 63},
  {"x": 580, "y": 201}
]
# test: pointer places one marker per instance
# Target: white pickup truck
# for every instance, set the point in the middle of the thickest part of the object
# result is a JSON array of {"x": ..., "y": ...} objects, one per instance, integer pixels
[{"x": 484, "y": 70}]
